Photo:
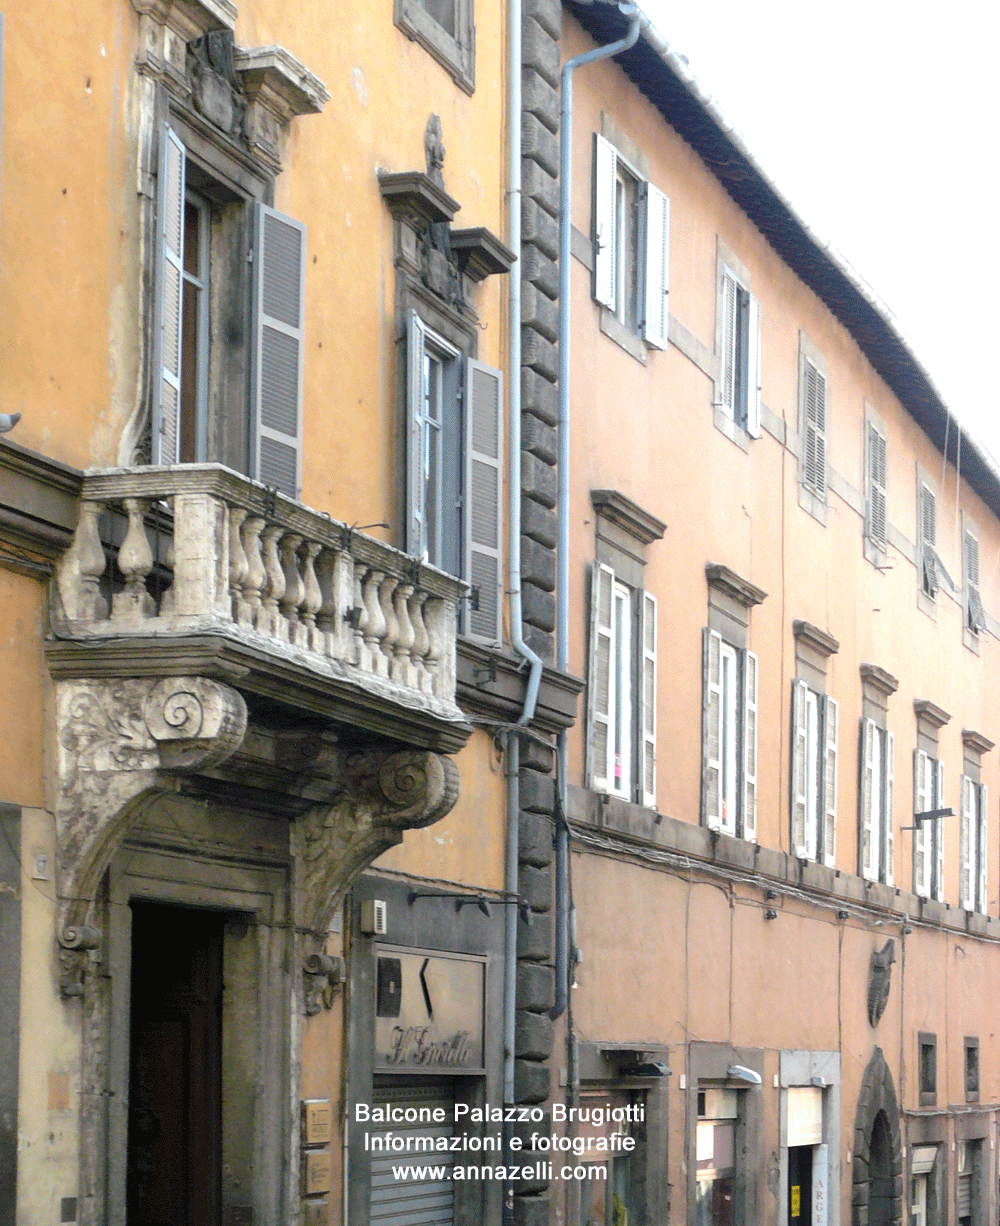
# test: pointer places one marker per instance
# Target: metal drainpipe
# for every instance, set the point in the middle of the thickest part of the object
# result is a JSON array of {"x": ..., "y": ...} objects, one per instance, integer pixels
[{"x": 639, "y": 20}]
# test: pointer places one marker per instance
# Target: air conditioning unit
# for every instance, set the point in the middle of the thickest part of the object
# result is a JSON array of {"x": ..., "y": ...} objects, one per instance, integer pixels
[{"x": 374, "y": 917}]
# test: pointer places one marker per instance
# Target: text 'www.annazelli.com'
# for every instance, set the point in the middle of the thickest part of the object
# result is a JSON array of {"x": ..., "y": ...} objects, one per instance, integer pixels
[{"x": 502, "y": 1174}]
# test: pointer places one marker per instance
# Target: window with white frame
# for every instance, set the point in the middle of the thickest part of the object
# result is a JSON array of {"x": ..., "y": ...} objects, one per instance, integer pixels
[
  {"x": 876, "y": 797},
  {"x": 729, "y": 737},
  {"x": 975, "y": 618},
  {"x": 972, "y": 846},
  {"x": 631, "y": 245},
  {"x": 927, "y": 531},
  {"x": 813, "y": 415},
  {"x": 454, "y": 479},
  {"x": 876, "y": 484},
  {"x": 740, "y": 355},
  {"x": 622, "y": 693},
  {"x": 928, "y": 835},
  {"x": 814, "y": 774}
]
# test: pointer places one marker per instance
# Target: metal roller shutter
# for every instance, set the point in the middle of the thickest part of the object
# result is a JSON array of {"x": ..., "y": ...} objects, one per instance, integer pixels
[{"x": 413, "y": 1202}]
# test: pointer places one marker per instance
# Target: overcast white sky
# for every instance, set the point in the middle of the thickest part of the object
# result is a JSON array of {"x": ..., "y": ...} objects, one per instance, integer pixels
[{"x": 878, "y": 120}]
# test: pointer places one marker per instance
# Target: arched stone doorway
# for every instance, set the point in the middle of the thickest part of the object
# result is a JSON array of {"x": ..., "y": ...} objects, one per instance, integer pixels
[{"x": 877, "y": 1194}]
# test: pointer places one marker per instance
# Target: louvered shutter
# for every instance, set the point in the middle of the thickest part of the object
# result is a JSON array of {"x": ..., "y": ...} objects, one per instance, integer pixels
[
  {"x": 877, "y": 526},
  {"x": 800, "y": 750},
  {"x": 656, "y": 231},
  {"x": 602, "y": 637},
  {"x": 750, "y": 672},
  {"x": 730, "y": 295},
  {"x": 753, "y": 367},
  {"x": 939, "y": 833},
  {"x": 974, "y": 610},
  {"x": 279, "y": 307},
  {"x": 889, "y": 825},
  {"x": 922, "y": 835},
  {"x": 814, "y": 456},
  {"x": 424, "y": 1194},
  {"x": 869, "y": 869},
  {"x": 605, "y": 222},
  {"x": 416, "y": 539},
  {"x": 169, "y": 292},
  {"x": 981, "y": 897},
  {"x": 712, "y": 729},
  {"x": 830, "y": 782},
  {"x": 965, "y": 866},
  {"x": 482, "y": 504},
  {"x": 928, "y": 540},
  {"x": 647, "y": 700}
]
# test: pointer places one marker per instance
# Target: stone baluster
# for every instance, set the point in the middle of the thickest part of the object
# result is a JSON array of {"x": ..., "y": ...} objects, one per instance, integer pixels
[
  {"x": 82, "y": 568},
  {"x": 251, "y": 606},
  {"x": 167, "y": 598},
  {"x": 135, "y": 561},
  {"x": 239, "y": 567},
  {"x": 421, "y": 642},
  {"x": 375, "y": 623},
  {"x": 402, "y": 666},
  {"x": 295, "y": 589},
  {"x": 433, "y": 610},
  {"x": 327, "y": 623},
  {"x": 271, "y": 622},
  {"x": 312, "y": 599},
  {"x": 385, "y": 591},
  {"x": 362, "y": 655}
]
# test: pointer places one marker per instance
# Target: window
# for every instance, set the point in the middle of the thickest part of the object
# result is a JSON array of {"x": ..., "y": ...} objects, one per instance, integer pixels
[
  {"x": 445, "y": 29},
  {"x": 631, "y": 246},
  {"x": 975, "y": 618},
  {"x": 740, "y": 356},
  {"x": 610, "y": 1193},
  {"x": 814, "y": 429},
  {"x": 927, "y": 526},
  {"x": 876, "y": 524},
  {"x": 971, "y": 1065},
  {"x": 927, "y": 1068},
  {"x": 729, "y": 721},
  {"x": 877, "y": 748},
  {"x": 715, "y": 1156},
  {"x": 969, "y": 1193},
  {"x": 814, "y": 774},
  {"x": 454, "y": 456},
  {"x": 622, "y": 689},
  {"x": 928, "y": 835},
  {"x": 972, "y": 846},
  {"x": 194, "y": 361}
]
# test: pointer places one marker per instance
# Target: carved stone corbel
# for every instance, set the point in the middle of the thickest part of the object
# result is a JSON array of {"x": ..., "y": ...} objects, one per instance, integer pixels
[
  {"x": 383, "y": 794},
  {"x": 120, "y": 744}
]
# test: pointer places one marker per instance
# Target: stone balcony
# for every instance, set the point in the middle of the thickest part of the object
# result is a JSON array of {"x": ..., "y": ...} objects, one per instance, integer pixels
[{"x": 197, "y": 570}]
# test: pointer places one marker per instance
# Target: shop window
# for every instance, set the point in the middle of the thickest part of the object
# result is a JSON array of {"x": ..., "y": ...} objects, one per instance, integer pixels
[
  {"x": 715, "y": 1156},
  {"x": 924, "y": 1186}
]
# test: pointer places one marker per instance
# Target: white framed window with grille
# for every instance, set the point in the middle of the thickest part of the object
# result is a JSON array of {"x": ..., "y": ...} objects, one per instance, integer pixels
[
  {"x": 729, "y": 737},
  {"x": 814, "y": 774},
  {"x": 875, "y": 803},
  {"x": 622, "y": 689},
  {"x": 739, "y": 356}
]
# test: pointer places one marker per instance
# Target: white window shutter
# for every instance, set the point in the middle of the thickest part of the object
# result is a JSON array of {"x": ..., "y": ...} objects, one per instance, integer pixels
[
  {"x": 889, "y": 827},
  {"x": 647, "y": 701},
  {"x": 939, "y": 832},
  {"x": 727, "y": 359},
  {"x": 750, "y": 673},
  {"x": 830, "y": 782},
  {"x": 169, "y": 291},
  {"x": 601, "y": 679},
  {"x": 814, "y": 424},
  {"x": 800, "y": 749},
  {"x": 981, "y": 896},
  {"x": 869, "y": 869},
  {"x": 416, "y": 539},
  {"x": 279, "y": 262},
  {"x": 711, "y": 792},
  {"x": 921, "y": 830},
  {"x": 877, "y": 523},
  {"x": 753, "y": 368},
  {"x": 482, "y": 503},
  {"x": 656, "y": 230},
  {"x": 965, "y": 844},
  {"x": 605, "y": 222}
]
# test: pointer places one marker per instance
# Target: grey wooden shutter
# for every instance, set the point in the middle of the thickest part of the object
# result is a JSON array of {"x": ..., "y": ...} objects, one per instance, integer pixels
[
  {"x": 928, "y": 540},
  {"x": 279, "y": 262},
  {"x": 750, "y": 672},
  {"x": 711, "y": 791},
  {"x": 800, "y": 749},
  {"x": 965, "y": 866},
  {"x": 877, "y": 525},
  {"x": 981, "y": 896},
  {"x": 601, "y": 677},
  {"x": 169, "y": 290},
  {"x": 656, "y": 231},
  {"x": 605, "y": 222},
  {"x": 730, "y": 295},
  {"x": 482, "y": 502},
  {"x": 814, "y": 455},
  {"x": 939, "y": 832},
  {"x": 830, "y": 782},
  {"x": 647, "y": 700},
  {"x": 922, "y": 834},
  {"x": 889, "y": 827},
  {"x": 975, "y": 619},
  {"x": 416, "y": 538},
  {"x": 430, "y": 1198},
  {"x": 869, "y": 869},
  {"x": 753, "y": 367}
]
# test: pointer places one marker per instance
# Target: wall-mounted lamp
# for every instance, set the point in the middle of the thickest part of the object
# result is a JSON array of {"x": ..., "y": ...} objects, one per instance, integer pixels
[
  {"x": 929, "y": 815},
  {"x": 770, "y": 914},
  {"x": 740, "y": 1072}
]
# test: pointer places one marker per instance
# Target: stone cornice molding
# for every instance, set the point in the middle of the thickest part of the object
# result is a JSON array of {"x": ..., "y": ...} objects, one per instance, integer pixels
[
  {"x": 277, "y": 76},
  {"x": 812, "y": 636},
  {"x": 38, "y": 501},
  {"x": 480, "y": 253},
  {"x": 880, "y": 680},
  {"x": 976, "y": 741},
  {"x": 930, "y": 713},
  {"x": 628, "y": 515},
  {"x": 728, "y": 581},
  {"x": 412, "y": 195}
]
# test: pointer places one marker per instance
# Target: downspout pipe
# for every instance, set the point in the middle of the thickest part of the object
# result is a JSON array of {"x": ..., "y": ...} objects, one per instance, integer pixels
[{"x": 562, "y": 942}]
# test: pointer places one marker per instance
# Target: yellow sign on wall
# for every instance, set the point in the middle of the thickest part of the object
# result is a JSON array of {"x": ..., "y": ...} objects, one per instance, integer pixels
[{"x": 796, "y": 1200}]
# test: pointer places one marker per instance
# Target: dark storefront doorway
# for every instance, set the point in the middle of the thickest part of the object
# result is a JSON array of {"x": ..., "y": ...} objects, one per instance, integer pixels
[
  {"x": 800, "y": 1177},
  {"x": 175, "y": 1067}
]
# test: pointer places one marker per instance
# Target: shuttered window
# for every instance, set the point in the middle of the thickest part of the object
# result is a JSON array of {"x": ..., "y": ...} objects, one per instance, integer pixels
[
  {"x": 814, "y": 774},
  {"x": 729, "y": 737},
  {"x": 814, "y": 430},
  {"x": 876, "y": 522},
  {"x": 928, "y": 541},
  {"x": 647, "y": 697},
  {"x": 656, "y": 242},
  {"x": 975, "y": 617},
  {"x": 167, "y": 323},
  {"x": 875, "y": 803},
  {"x": 740, "y": 357},
  {"x": 426, "y": 1196},
  {"x": 972, "y": 846},
  {"x": 928, "y": 837},
  {"x": 482, "y": 504}
]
